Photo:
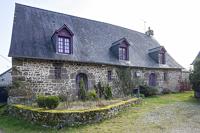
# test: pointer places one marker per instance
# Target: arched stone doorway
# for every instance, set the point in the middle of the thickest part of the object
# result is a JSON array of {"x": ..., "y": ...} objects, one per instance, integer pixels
[
  {"x": 3, "y": 95},
  {"x": 79, "y": 77},
  {"x": 152, "y": 79}
]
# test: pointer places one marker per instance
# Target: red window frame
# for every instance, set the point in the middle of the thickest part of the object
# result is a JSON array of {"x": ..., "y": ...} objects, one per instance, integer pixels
[
  {"x": 64, "y": 45},
  {"x": 162, "y": 58},
  {"x": 123, "y": 53}
]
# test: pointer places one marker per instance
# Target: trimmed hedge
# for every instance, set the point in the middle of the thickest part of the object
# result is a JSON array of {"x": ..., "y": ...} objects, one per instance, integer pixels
[
  {"x": 61, "y": 118},
  {"x": 92, "y": 95},
  {"x": 50, "y": 102},
  {"x": 148, "y": 90}
]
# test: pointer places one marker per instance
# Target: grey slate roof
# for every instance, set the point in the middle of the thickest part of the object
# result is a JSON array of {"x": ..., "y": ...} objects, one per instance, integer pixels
[
  {"x": 33, "y": 28},
  {"x": 156, "y": 49}
]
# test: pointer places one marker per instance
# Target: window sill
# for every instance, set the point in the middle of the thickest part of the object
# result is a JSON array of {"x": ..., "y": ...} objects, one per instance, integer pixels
[{"x": 63, "y": 53}]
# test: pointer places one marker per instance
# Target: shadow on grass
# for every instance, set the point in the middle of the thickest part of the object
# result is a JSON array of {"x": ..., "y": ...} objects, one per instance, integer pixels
[{"x": 192, "y": 99}]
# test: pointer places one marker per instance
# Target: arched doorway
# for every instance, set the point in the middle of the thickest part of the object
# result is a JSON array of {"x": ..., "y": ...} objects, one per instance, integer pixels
[
  {"x": 79, "y": 77},
  {"x": 152, "y": 79},
  {"x": 3, "y": 95}
]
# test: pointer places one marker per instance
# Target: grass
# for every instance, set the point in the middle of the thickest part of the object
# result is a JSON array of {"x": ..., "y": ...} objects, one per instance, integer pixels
[{"x": 124, "y": 122}]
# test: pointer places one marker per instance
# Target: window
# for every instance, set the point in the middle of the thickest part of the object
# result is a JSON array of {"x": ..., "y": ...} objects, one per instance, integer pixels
[
  {"x": 57, "y": 72},
  {"x": 162, "y": 58},
  {"x": 152, "y": 79},
  {"x": 137, "y": 74},
  {"x": 64, "y": 45},
  {"x": 123, "y": 53},
  {"x": 165, "y": 76},
  {"x": 109, "y": 75}
]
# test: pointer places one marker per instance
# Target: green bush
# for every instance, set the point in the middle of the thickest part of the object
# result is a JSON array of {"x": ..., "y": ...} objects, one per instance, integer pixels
[
  {"x": 92, "y": 95},
  {"x": 166, "y": 91},
  {"x": 108, "y": 92},
  {"x": 148, "y": 90},
  {"x": 195, "y": 76},
  {"x": 142, "y": 96},
  {"x": 99, "y": 89},
  {"x": 50, "y": 102},
  {"x": 41, "y": 101}
]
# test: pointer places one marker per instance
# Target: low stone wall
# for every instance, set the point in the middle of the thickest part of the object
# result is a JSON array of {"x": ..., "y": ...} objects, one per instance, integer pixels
[{"x": 61, "y": 118}]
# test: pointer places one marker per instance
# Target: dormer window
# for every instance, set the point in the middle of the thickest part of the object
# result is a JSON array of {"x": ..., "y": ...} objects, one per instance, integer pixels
[
  {"x": 123, "y": 53},
  {"x": 162, "y": 58},
  {"x": 63, "y": 40},
  {"x": 120, "y": 49},
  {"x": 64, "y": 45},
  {"x": 158, "y": 54}
]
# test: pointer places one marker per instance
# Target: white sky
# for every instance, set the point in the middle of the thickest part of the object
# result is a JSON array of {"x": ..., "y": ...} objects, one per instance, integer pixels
[{"x": 176, "y": 23}]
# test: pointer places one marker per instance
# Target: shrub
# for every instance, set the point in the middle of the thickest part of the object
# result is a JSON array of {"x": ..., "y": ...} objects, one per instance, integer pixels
[
  {"x": 82, "y": 91},
  {"x": 108, "y": 92},
  {"x": 148, "y": 90},
  {"x": 195, "y": 76},
  {"x": 142, "y": 96},
  {"x": 92, "y": 95},
  {"x": 100, "y": 89},
  {"x": 50, "y": 102},
  {"x": 166, "y": 91},
  {"x": 184, "y": 86},
  {"x": 125, "y": 80},
  {"x": 41, "y": 101}
]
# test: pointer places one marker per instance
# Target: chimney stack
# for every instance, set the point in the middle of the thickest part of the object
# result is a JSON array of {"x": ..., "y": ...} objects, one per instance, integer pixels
[{"x": 149, "y": 32}]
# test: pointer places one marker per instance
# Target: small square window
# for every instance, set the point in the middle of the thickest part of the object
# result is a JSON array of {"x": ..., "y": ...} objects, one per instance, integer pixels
[
  {"x": 165, "y": 76},
  {"x": 57, "y": 72},
  {"x": 109, "y": 75}
]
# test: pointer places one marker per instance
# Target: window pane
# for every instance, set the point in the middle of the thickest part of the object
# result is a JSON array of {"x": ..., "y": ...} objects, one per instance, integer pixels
[
  {"x": 122, "y": 53},
  {"x": 109, "y": 75},
  {"x": 63, "y": 45}
]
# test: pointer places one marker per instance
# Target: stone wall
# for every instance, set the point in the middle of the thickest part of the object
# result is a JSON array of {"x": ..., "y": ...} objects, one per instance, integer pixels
[
  {"x": 61, "y": 118},
  {"x": 171, "y": 82},
  {"x": 41, "y": 76}
]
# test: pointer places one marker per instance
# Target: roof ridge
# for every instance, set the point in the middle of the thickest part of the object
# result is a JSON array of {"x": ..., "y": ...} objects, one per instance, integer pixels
[{"x": 79, "y": 17}]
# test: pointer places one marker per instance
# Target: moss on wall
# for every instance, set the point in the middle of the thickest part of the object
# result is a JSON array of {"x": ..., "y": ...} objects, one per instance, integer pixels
[{"x": 61, "y": 118}]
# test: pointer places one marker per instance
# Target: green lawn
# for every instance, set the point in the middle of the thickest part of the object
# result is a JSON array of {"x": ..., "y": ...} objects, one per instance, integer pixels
[{"x": 124, "y": 122}]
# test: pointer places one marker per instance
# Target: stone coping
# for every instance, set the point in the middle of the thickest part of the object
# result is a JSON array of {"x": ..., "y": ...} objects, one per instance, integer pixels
[
  {"x": 61, "y": 118},
  {"x": 25, "y": 107}
]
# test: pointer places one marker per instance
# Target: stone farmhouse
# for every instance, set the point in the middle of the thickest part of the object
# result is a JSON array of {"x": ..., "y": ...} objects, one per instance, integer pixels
[{"x": 53, "y": 51}]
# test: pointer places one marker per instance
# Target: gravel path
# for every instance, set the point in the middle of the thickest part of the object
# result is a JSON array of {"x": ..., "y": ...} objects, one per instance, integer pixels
[
  {"x": 1, "y": 131},
  {"x": 180, "y": 117}
]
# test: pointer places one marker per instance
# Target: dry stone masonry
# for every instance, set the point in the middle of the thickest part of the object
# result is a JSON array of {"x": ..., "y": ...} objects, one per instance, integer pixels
[{"x": 41, "y": 76}]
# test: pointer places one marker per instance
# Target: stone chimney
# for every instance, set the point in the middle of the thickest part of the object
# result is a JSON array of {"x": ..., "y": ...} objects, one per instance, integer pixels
[{"x": 149, "y": 32}]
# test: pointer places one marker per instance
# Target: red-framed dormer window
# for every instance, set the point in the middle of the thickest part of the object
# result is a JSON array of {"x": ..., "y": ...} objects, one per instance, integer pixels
[
  {"x": 63, "y": 40},
  {"x": 123, "y": 54},
  {"x": 162, "y": 58},
  {"x": 64, "y": 45}
]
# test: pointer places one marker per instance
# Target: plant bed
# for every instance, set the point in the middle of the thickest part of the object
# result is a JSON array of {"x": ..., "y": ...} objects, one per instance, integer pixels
[
  {"x": 80, "y": 105},
  {"x": 59, "y": 118}
]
